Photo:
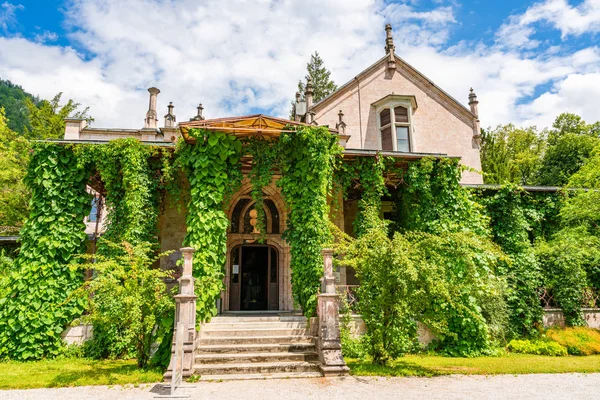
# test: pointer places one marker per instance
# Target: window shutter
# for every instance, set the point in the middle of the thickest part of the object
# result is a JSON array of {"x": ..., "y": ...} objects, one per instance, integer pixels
[
  {"x": 386, "y": 139},
  {"x": 401, "y": 114},
  {"x": 384, "y": 117}
]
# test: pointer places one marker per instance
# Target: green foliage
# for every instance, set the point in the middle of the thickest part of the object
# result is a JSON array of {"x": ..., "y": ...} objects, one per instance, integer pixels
[
  {"x": 571, "y": 263},
  {"x": 511, "y": 155},
  {"x": 370, "y": 172},
  {"x": 446, "y": 281},
  {"x": 14, "y": 157},
  {"x": 570, "y": 143},
  {"x": 264, "y": 156},
  {"x": 433, "y": 200},
  {"x": 12, "y": 99},
  {"x": 579, "y": 341},
  {"x": 37, "y": 306},
  {"x": 538, "y": 347},
  {"x": 126, "y": 300},
  {"x": 307, "y": 160},
  {"x": 510, "y": 226},
  {"x": 323, "y": 86},
  {"x": 213, "y": 169},
  {"x": 47, "y": 117}
]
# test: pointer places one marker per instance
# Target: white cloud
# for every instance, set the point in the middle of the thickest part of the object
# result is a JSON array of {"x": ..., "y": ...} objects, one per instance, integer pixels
[
  {"x": 45, "y": 37},
  {"x": 8, "y": 15},
  {"x": 239, "y": 56}
]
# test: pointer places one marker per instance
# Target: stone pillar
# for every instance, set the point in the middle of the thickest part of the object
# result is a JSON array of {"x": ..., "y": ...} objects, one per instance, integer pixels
[
  {"x": 329, "y": 343},
  {"x": 473, "y": 104},
  {"x": 185, "y": 312}
]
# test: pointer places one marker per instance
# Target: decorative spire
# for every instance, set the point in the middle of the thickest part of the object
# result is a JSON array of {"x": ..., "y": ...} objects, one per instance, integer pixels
[
  {"x": 341, "y": 125},
  {"x": 199, "y": 116},
  {"x": 473, "y": 102},
  {"x": 170, "y": 117},
  {"x": 472, "y": 97},
  {"x": 308, "y": 94},
  {"x": 389, "y": 39}
]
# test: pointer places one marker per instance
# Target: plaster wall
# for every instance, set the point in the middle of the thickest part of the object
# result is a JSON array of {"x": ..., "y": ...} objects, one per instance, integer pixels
[{"x": 439, "y": 125}]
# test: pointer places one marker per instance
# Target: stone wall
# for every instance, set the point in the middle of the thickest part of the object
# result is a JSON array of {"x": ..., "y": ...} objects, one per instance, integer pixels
[{"x": 555, "y": 317}]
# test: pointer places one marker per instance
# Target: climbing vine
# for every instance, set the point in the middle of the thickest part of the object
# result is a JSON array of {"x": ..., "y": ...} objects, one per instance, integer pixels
[
  {"x": 264, "y": 157},
  {"x": 37, "y": 306},
  {"x": 370, "y": 172},
  {"x": 307, "y": 160},
  {"x": 214, "y": 172}
]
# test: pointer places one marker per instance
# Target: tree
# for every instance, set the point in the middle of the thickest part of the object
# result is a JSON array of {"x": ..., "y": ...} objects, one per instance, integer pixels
[
  {"x": 511, "y": 155},
  {"x": 47, "y": 118},
  {"x": 323, "y": 86},
  {"x": 14, "y": 157},
  {"x": 570, "y": 143}
]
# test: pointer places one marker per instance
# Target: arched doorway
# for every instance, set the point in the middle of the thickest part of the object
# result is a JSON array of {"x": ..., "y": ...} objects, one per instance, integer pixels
[
  {"x": 257, "y": 274},
  {"x": 254, "y": 281}
]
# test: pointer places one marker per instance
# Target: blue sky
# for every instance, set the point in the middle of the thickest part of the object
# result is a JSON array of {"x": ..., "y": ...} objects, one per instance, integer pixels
[{"x": 528, "y": 60}]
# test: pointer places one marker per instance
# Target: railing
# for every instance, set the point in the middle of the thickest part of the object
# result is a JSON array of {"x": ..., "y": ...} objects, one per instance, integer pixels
[
  {"x": 591, "y": 298},
  {"x": 349, "y": 296}
]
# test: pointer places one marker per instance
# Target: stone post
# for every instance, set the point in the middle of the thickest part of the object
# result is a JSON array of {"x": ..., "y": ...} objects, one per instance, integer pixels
[
  {"x": 329, "y": 343},
  {"x": 185, "y": 312}
]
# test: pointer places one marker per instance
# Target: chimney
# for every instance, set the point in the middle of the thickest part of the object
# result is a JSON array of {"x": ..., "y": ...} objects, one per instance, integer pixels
[
  {"x": 151, "y": 121},
  {"x": 199, "y": 116},
  {"x": 170, "y": 117},
  {"x": 389, "y": 47},
  {"x": 73, "y": 128},
  {"x": 473, "y": 102},
  {"x": 308, "y": 96}
]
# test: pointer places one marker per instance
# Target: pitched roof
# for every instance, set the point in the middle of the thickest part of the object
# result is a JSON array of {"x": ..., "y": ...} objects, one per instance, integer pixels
[{"x": 406, "y": 66}]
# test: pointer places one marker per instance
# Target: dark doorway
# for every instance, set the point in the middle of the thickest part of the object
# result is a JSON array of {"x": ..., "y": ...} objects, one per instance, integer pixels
[{"x": 253, "y": 285}]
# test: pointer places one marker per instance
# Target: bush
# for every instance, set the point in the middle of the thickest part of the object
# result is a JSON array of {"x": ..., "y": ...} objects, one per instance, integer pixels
[
  {"x": 127, "y": 300},
  {"x": 538, "y": 347},
  {"x": 578, "y": 341}
]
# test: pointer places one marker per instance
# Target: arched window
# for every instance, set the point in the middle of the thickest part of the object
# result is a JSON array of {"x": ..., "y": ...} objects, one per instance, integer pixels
[
  {"x": 240, "y": 218},
  {"x": 394, "y": 123}
]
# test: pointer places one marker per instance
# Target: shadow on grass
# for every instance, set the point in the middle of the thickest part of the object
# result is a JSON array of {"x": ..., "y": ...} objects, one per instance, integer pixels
[{"x": 393, "y": 368}]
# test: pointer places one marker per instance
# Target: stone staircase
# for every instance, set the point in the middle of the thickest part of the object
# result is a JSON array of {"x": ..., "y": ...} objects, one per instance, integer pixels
[{"x": 256, "y": 346}]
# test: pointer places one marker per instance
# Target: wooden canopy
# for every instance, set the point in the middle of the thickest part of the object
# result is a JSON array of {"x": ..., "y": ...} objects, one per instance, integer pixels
[{"x": 249, "y": 125}]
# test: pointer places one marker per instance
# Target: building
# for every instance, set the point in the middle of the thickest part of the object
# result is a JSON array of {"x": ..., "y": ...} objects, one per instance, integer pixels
[{"x": 389, "y": 108}]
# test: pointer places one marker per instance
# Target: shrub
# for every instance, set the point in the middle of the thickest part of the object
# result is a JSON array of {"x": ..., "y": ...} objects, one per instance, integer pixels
[
  {"x": 578, "y": 341},
  {"x": 538, "y": 347},
  {"x": 126, "y": 301}
]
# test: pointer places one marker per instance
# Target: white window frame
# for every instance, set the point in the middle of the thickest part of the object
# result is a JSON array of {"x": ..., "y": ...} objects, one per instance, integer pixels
[{"x": 391, "y": 104}]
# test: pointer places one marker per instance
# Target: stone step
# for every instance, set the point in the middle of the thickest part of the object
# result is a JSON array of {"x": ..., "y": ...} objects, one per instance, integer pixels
[
  {"x": 276, "y": 375},
  {"x": 237, "y": 340},
  {"x": 255, "y": 368},
  {"x": 255, "y": 348},
  {"x": 252, "y": 332},
  {"x": 254, "y": 325},
  {"x": 244, "y": 358},
  {"x": 258, "y": 318}
]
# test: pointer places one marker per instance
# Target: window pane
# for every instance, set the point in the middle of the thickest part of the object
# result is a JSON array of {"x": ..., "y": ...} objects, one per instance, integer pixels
[
  {"x": 384, "y": 117},
  {"x": 94, "y": 211},
  {"x": 403, "y": 145},
  {"x": 402, "y": 132},
  {"x": 386, "y": 139},
  {"x": 401, "y": 114}
]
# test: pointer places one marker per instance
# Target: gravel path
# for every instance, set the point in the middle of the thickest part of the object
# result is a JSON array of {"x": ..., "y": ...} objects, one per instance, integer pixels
[{"x": 541, "y": 386}]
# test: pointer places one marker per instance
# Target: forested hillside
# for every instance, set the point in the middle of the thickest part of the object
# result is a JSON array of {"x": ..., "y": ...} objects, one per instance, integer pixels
[{"x": 12, "y": 98}]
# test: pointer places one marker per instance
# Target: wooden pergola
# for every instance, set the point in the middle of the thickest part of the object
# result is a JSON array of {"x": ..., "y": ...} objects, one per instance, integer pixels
[{"x": 249, "y": 125}]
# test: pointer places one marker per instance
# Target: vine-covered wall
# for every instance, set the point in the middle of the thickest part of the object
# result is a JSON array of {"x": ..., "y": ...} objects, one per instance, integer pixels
[{"x": 36, "y": 307}]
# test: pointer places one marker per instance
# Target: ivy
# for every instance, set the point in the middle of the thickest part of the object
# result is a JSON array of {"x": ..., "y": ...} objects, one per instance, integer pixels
[
  {"x": 307, "y": 160},
  {"x": 510, "y": 227},
  {"x": 370, "y": 172},
  {"x": 264, "y": 157},
  {"x": 213, "y": 169},
  {"x": 37, "y": 306}
]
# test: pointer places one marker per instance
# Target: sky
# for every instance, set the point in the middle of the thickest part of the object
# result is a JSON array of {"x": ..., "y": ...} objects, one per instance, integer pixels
[{"x": 528, "y": 61}]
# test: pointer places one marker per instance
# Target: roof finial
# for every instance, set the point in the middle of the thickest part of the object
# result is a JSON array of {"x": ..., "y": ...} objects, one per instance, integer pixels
[
  {"x": 341, "y": 125},
  {"x": 308, "y": 94},
  {"x": 199, "y": 116},
  {"x": 472, "y": 97},
  {"x": 170, "y": 117},
  {"x": 389, "y": 40}
]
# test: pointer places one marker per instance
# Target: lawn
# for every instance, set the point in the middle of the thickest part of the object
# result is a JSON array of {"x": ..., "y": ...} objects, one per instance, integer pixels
[
  {"x": 73, "y": 372},
  {"x": 427, "y": 365}
]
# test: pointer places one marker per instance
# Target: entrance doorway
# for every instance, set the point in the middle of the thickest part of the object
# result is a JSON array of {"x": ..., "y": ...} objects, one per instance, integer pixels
[{"x": 254, "y": 281}]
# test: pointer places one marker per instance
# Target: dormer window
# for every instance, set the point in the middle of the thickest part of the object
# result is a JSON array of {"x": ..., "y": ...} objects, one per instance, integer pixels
[{"x": 394, "y": 114}]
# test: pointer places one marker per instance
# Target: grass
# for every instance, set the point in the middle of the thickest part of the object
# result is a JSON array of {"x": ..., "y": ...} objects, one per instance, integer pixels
[
  {"x": 427, "y": 365},
  {"x": 73, "y": 372}
]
